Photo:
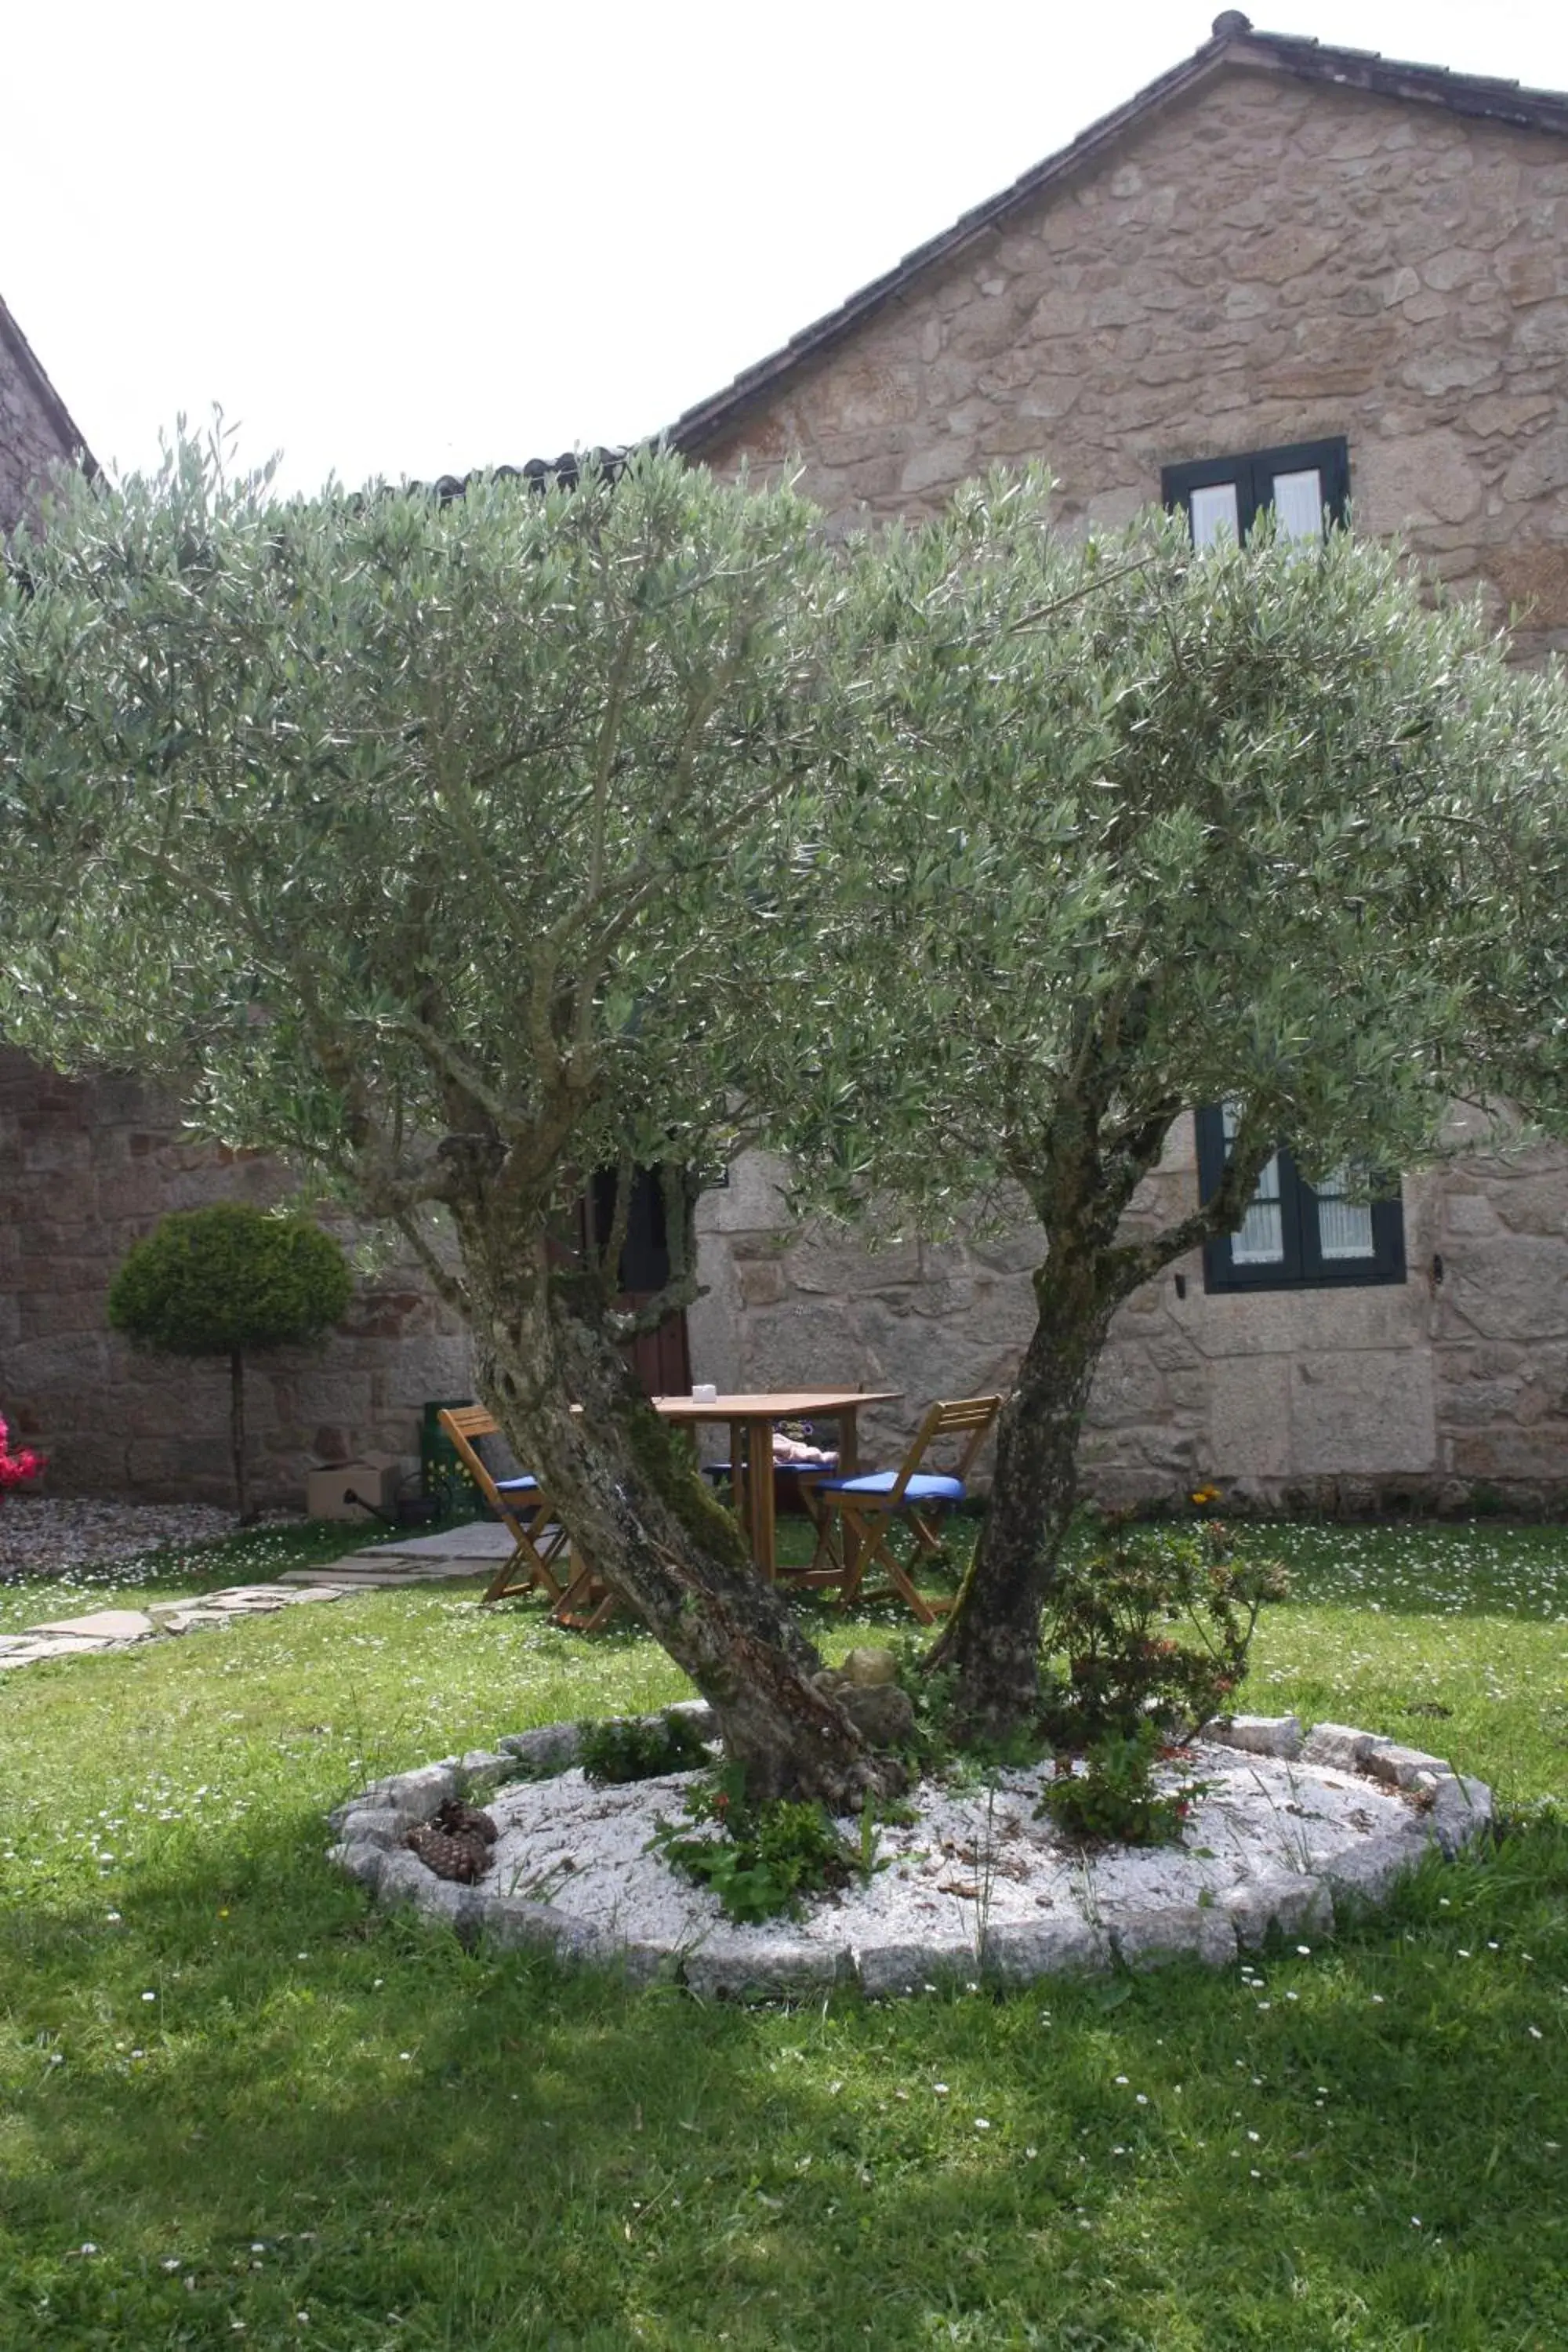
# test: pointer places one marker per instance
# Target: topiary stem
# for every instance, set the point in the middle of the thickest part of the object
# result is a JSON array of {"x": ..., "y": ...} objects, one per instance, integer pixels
[{"x": 236, "y": 1433}]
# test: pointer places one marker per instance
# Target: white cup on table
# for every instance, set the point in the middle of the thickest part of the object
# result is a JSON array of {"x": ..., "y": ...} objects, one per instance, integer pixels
[{"x": 704, "y": 1392}]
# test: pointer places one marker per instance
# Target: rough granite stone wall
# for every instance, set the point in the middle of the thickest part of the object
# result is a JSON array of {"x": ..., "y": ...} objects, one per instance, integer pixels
[
  {"x": 85, "y": 1170},
  {"x": 1264, "y": 262},
  {"x": 1447, "y": 1389},
  {"x": 31, "y": 440}
]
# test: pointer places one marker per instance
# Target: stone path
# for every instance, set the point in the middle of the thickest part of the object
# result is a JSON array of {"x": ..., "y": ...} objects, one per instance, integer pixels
[
  {"x": 464, "y": 1551},
  {"x": 120, "y": 1629},
  {"x": 469, "y": 1551}
]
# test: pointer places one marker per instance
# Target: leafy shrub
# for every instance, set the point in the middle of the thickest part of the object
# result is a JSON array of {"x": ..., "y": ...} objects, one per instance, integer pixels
[
  {"x": 1152, "y": 1623},
  {"x": 627, "y": 1750},
  {"x": 1116, "y": 1801},
  {"x": 763, "y": 1857},
  {"x": 207, "y": 1282}
]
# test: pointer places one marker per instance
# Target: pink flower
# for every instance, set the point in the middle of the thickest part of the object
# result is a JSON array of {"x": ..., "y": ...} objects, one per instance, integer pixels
[{"x": 16, "y": 1469}]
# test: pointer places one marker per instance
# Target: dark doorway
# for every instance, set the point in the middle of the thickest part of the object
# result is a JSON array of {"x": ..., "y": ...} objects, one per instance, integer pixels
[{"x": 661, "y": 1358}]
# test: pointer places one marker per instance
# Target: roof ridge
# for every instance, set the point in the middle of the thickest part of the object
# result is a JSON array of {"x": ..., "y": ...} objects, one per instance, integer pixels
[{"x": 1232, "y": 41}]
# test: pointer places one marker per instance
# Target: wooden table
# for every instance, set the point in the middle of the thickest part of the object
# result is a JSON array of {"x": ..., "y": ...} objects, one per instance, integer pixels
[{"x": 751, "y": 1420}]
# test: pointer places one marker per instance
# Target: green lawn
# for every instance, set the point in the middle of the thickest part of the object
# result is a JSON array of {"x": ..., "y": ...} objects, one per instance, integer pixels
[{"x": 255, "y": 2099}]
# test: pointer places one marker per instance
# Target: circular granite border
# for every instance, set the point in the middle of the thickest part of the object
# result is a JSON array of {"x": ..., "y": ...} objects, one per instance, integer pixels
[{"x": 1451, "y": 1810}]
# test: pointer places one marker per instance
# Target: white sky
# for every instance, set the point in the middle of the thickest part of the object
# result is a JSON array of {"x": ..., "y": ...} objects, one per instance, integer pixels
[{"x": 392, "y": 237}]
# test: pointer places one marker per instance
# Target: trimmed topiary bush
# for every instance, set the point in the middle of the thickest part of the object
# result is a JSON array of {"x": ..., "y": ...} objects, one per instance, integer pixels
[{"x": 223, "y": 1281}]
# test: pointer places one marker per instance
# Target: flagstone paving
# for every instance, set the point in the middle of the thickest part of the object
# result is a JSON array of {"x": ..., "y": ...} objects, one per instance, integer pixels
[
  {"x": 454, "y": 1553},
  {"x": 120, "y": 1629},
  {"x": 468, "y": 1550}
]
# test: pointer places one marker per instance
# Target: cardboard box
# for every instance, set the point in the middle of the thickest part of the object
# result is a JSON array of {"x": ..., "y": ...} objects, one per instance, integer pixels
[{"x": 373, "y": 1478}]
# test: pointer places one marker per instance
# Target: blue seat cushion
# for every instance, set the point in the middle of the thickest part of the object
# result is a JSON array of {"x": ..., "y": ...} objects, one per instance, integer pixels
[
  {"x": 517, "y": 1485},
  {"x": 923, "y": 1487}
]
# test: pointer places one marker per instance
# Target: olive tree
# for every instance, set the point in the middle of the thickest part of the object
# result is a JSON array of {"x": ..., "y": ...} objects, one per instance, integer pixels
[
  {"x": 1137, "y": 829},
  {"x": 444, "y": 845}
]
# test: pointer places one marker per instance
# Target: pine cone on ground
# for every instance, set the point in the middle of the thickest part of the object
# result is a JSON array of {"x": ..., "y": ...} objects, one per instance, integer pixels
[
  {"x": 457, "y": 1843},
  {"x": 459, "y": 1821}
]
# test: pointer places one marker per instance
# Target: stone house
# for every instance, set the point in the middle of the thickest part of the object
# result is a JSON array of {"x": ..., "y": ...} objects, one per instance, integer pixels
[{"x": 1280, "y": 275}]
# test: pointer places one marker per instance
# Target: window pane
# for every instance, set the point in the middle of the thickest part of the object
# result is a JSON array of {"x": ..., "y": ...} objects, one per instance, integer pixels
[
  {"x": 1344, "y": 1227},
  {"x": 1215, "y": 514},
  {"x": 1261, "y": 1238},
  {"x": 1299, "y": 503},
  {"x": 1261, "y": 1241}
]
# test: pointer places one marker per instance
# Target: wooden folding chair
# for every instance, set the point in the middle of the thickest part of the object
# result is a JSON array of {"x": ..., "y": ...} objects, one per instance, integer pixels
[
  {"x": 537, "y": 1561},
  {"x": 867, "y": 1506}
]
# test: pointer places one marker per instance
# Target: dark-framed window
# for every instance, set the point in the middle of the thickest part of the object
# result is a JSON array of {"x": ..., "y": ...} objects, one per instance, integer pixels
[
  {"x": 1223, "y": 497},
  {"x": 1295, "y": 1236}
]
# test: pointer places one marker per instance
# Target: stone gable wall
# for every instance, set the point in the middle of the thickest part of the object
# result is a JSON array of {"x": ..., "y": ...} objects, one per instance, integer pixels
[{"x": 1264, "y": 262}]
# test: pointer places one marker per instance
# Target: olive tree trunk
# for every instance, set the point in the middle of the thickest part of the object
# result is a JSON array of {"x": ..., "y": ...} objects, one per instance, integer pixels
[
  {"x": 628, "y": 1492},
  {"x": 991, "y": 1638}
]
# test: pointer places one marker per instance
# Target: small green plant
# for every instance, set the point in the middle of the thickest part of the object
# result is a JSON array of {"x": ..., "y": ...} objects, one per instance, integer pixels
[
  {"x": 1152, "y": 1624},
  {"x": 931, "y": 1695},
  {"x": 1115, "y": 1799},
  {"x": 869, "y": 1862},
  {"x": 874, "y": 1816},
  {"x": 628, "y": 1748},
  {"x": 758, "y": 1859}
]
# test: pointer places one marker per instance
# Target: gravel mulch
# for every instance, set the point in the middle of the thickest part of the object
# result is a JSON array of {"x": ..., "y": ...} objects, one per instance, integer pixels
[
  {"x": 968, "y": 1878},
  {"x": 45, "y": 1535}
]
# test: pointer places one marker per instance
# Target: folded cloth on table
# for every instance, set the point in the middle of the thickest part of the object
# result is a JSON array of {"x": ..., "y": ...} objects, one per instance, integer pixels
[{"x": 794, "y": 1453}]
